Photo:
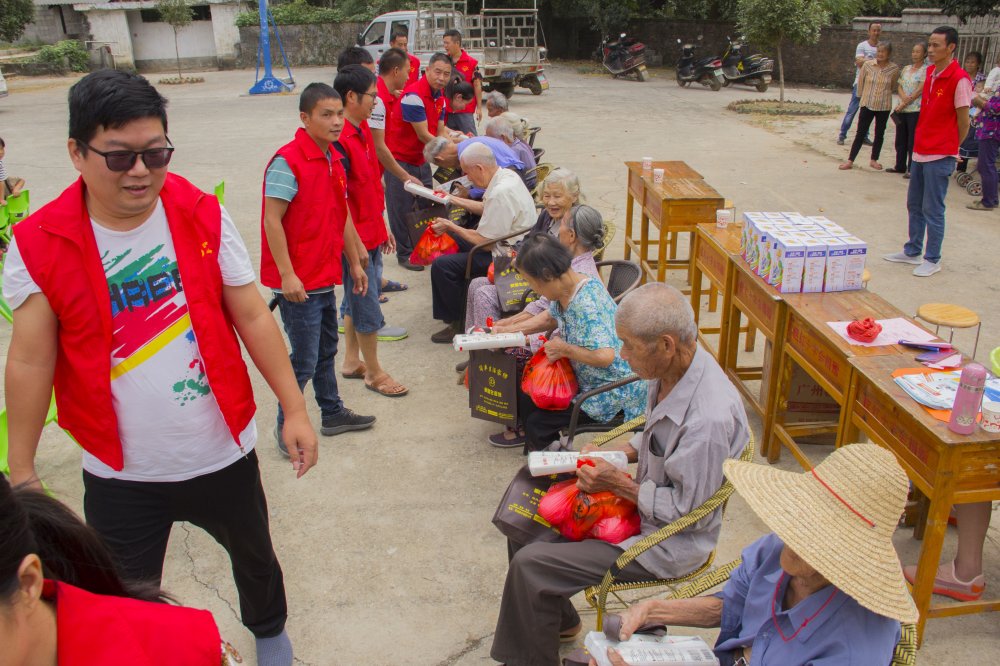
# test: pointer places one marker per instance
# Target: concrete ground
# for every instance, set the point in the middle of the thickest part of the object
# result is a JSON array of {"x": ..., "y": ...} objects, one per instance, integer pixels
[{"x": 387, "y": 547}]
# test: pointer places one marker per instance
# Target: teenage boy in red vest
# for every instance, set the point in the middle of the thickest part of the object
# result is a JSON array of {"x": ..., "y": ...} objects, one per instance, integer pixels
[
  {"x": 305, "y": 229},
  {"x": 419, "y": 118},
  {"x": 363, "y": 320},
  {"x": 393, "y": 72},
  {"x": 468, "y": 68},
  {"x": 131, "y": 293},
  {"x": 400, "y": 39},
  {"x": 944, "y": 117}
]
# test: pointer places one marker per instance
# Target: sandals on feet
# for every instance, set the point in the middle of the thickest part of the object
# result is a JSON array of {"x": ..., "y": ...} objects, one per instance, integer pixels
[
  {"x": 357, "y": 374},
  {"x": 392, "y": 285},
  {"x": 387, "y": 386}
]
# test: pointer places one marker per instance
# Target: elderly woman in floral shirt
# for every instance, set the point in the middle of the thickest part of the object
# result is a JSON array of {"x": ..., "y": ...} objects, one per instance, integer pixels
[{"x": 988, "y": 135}]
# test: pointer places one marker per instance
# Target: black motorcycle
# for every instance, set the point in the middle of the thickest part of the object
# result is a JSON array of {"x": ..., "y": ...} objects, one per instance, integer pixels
[
  {"x": 706, "y": 71},
  {"x": 625, "y": 58},
  {"x": 753, "y": 70}
]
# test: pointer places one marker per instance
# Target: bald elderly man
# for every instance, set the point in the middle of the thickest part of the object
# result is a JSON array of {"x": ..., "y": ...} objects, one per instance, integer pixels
[
  {"x": 506, "y": 207},
  {"x": 694, "y": 421}
]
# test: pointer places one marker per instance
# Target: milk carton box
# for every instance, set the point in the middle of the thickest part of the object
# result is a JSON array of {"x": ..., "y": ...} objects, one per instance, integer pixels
[
  {"x": 857, "y": 251},
  {"x": 750, "y": 220},
  {"x": 814, "y": 266},
  {"x": 773, "y": 251},
  {"x": 775, "y": 217},
  {"x": 761, "y": 262},
  {"x": 787, "y": 267},
  {"x": 836, "y": 264},
  {"x": 819, "y": 219},
  {"x": 797, "y": 219}
]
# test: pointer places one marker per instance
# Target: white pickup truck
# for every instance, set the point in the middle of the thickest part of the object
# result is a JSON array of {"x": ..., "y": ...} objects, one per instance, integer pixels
[{"x": 504, "y": 41}]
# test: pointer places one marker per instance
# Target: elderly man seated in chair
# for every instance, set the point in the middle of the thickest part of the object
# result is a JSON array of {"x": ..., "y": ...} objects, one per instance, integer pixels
[
  {"x": 507, "y": 207},
  {"x": 694, "y": 422},
  {"x": 825, "y": 587},
  {"x": 447, "y": 154}
]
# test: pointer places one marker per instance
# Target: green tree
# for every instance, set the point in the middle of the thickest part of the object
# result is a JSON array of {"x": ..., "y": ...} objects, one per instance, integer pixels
[
  {"x": 14, "y": 16},
  {"x": 774, "y": 22},
  {"x": 177, "y": 13},
  {"x": 965, "y": 9}
]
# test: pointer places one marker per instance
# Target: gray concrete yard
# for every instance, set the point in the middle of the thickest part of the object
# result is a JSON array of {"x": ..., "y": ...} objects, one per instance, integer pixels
[{"x": 387, "y": 546}]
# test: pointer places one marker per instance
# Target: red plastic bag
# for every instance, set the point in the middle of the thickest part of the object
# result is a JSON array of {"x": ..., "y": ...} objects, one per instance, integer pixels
[
  {"x": 550, "y": 384},
  {"x": 579, "y": 515},
  {"x": 489, "y": 272},
  {"x": 431, "y": 246}
]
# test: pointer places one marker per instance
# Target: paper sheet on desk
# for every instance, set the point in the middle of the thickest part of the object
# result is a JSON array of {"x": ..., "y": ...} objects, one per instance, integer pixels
[{"x": 893, "y": 330}]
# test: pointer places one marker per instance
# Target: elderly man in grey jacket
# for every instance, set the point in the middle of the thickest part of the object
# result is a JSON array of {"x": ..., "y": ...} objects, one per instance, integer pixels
[{"x": 694, "y": 421}]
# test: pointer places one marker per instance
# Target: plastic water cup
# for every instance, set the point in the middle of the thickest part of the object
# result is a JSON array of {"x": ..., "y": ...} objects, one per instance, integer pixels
[
  {"x": 657, "y": 176},
  {"x": 723, "y": 217},
  {"x": 991, "y": 416},
  {"x": 647, "y": 163}
]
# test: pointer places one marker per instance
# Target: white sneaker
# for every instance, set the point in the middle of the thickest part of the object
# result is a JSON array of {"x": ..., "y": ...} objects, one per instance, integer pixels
[
  {"x": 903, "y": 258},
  {"x": 926, "y": 269}
]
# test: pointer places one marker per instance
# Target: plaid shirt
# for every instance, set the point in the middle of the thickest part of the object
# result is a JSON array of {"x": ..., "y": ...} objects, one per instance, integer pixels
[{"x": 876, "y": 85}]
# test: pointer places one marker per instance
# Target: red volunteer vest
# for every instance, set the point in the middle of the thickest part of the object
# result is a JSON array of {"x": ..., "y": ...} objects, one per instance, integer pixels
[
  {"x": 60, "y": 252},
  {"x": 414, "y": 69},
  {"x": 466, "y": 66},
  {"x": 117, "y": 631},
  {"x": 937, "y": 126},
  {"x": 315, "y": 220},
  {"x": 365, "y": 195},
  {"x": 403, "y": 141},
  {"x": 391, "y": 104}
]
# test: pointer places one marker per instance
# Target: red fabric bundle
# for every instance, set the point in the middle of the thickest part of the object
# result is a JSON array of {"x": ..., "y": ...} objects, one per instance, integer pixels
[
  {"x": 550, "y": 384},
  {"x": 579, "y": 515},
  {"x": 431, "y": 246},
  {"x": 864, "y": 330}
]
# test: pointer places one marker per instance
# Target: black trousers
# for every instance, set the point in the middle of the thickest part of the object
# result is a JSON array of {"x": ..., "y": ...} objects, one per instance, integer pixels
[
  {"x": 865, "y": 117},
  {"x": 448, "y": 286},
  {"x": 905, "y": 132},
  {"x": 135, "y": 517},
  {"x": 542, "y": 426}
]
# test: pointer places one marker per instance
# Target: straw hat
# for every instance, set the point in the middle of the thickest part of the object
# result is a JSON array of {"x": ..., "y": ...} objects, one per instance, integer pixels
[{"x": 839, "y": 518}]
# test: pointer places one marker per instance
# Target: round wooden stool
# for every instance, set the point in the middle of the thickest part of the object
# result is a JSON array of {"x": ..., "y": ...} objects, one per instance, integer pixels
[
  {"x": 952, "y": 316},
  {"x": 865, "y": 277}
]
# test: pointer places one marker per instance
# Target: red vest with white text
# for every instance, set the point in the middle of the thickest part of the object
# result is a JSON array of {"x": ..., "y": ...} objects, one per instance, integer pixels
[
  {"x": 937, "y": 126},
  {"x": 60, "y": 252},
  {"x": 315, "y": 219}
]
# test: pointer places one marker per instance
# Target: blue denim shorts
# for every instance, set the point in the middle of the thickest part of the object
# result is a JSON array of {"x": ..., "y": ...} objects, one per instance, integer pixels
[{"x": 365, "y": 311}]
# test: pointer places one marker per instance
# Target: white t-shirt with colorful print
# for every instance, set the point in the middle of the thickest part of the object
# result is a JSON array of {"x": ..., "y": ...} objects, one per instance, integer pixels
[{"x": 168, "y": 419}]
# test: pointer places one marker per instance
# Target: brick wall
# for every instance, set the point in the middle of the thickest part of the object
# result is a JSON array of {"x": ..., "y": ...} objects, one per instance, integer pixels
[{"x": 304, "y": 44}]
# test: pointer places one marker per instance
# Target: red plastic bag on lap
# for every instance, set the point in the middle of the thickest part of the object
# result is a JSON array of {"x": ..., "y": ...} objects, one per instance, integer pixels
[
  {"x": 579, "y": 515},
  {"x": 431, "y": 246},
  {"x": 489, "y": 272},
  {"x": 550, "y": 384}
]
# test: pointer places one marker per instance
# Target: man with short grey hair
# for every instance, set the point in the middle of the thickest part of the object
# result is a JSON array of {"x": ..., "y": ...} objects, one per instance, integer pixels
[
  {"x": 496, "y": 103},
  {"x": 507, "y": 207},
  {"x": 694, "y": 421}
]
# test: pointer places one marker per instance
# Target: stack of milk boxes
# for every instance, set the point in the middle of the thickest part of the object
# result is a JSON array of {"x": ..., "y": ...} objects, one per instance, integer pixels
[{"x": 795, "y": 253}]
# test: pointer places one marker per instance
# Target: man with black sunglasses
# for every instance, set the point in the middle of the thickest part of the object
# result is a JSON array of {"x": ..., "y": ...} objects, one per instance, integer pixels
[{"x": 131, "y": 294}]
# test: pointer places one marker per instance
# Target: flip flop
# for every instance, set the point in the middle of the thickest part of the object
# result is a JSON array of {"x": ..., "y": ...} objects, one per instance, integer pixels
[
  {"x": 383, "y": 299},
  {"x": 357, "y": 374},
  {"x": 392, "y": 285},
  {"x": 380, "y": 387}
]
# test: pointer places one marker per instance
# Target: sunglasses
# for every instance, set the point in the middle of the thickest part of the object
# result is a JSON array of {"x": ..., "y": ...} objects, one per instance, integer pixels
[{"x": 124, "y": 160}]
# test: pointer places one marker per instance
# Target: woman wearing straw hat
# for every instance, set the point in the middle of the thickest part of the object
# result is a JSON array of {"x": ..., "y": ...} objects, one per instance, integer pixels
[{"x": 826, "y": 586}]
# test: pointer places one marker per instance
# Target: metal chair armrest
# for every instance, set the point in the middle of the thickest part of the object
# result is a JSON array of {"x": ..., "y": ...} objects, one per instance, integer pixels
[
  {"x": 483, "y": 246},
  {"x": 583, "y": 397}
]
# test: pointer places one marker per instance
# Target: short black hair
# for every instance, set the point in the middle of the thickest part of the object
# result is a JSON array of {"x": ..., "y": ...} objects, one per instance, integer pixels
[
  {"x": 454, "y": 34},
  {"x": 542, "y": 257},
  {"x": 978, "y": 56},
  {"x": 354, "y": 55},
  {"x": 401, "y": 31},
  {"x": 459, "y": 86},
  {"x": 313, "y": 94},
  {"x": 354, "y": 78},
  {"x": 392, "y": 59},
  {"x": 439, "y": 57},
  {"x": 111, "y": 98},
  {"x": 950, "y": 34},
  {"x": 3, "y": 144}
]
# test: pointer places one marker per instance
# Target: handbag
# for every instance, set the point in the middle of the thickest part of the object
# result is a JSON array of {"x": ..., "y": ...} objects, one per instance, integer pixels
[
  {"x": 517, "y": 514},
  {"x": 512, "y": 289}
]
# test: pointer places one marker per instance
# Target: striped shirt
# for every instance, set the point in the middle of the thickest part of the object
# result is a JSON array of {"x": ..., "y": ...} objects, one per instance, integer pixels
[{"x": 876, "y": 85}]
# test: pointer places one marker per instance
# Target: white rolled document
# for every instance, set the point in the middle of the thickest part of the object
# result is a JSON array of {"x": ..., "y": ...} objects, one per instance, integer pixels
[
  {"x": 427, "y": 193},
  {"x": 470, "y": 341},
  {"x": 543, "y": 463}
]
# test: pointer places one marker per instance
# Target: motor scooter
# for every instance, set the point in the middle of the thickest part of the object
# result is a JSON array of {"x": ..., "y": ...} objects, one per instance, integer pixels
[
  {"x": 625, "y": 58},
  {"x": 753, "y": 70},
  {"x": 706, "y": 71}
]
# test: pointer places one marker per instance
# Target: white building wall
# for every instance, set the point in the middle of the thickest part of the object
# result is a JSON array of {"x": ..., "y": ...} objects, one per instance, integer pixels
[
  {"x": 155, "y": 41},
  {"x": 112, "y": 26},
  {"x": 227, "y": 35}
]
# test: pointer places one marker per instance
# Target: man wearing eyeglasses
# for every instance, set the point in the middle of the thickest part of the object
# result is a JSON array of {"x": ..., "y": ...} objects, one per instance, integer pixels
[{"x": 131, "y": 294}]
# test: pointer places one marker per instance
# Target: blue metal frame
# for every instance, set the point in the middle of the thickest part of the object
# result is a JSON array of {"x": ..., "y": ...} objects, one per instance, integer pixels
[{"x": 270, "y": 83}]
